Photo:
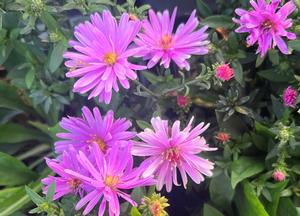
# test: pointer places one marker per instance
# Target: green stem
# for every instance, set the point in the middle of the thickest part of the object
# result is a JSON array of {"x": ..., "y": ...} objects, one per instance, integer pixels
[{"x": 146, "y": 89}]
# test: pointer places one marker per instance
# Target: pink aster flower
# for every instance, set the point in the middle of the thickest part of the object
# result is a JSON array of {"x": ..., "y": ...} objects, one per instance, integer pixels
[
  {"x": 170, "y": 148},
  {"x": 100, "y": 56},
  {"x": 108, "y": 177},
  {"x": 92, "y": 128},
  {"x": 290, "y": 97},
  {"x": 278, "y": 175},
  {"x": 224, "y": 72},
  {"x": 266, "y": 25},
  {"x": 158, "y": 42},
  {"x": 64, "y": 183}
]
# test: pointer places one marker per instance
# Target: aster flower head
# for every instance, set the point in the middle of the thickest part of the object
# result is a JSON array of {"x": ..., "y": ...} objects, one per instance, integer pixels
[
  {"x": 64, "y": 183},
  {"x": 92, "y": 128},
  {"x": 169, "y": 148},
  {"x": 266, "y": 24},
  {"x": 108, "y": 176},
  {"x": 183, "y": 101},
  {"x": 155, "y": 205},
  {"x": 290, "y": 97},
  {"x": 158, "y": 42},
  {"x": 101, "y": 55},
  {"x": 224, "y": 72}
]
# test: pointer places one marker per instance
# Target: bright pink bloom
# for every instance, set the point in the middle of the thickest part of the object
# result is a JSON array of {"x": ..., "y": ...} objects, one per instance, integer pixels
[
  {"x": 172, "y": 148},
  {"x": 290, "y": 97},
  {"x": 64, "y": 183},
  {"x": 278, "y": 175},
  {"x": 101, "y": 55},
  {"x": 158, "y": 42},
  {"x": 92, "y": 128},
  {"x": 108, "y": 177},
  {"x": 183, "y": 101},
  {"x": 224, "y": 72},
  {"x": 265, "y": 25}
]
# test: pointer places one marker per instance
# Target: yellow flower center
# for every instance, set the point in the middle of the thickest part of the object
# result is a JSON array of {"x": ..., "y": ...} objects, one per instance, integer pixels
[
  {"x": 166, "y": 41},
  {"x": 112, "y": 181},
  {"x": 172, "y": 155},
  {"x": 102, "y": 145},
  {"x": 74, "y": 183},
  {"x": 110, "y": 58}
]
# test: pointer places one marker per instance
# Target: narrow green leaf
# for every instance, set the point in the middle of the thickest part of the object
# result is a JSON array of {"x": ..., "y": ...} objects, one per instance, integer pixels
[
  {"x": 56, "y": 57},
  {"x": 153, "y": 79},
  {"x": 14, "y": 172},
  {"x": 220, "y": 191},
  {"x": 203, "y": 9},
  {"x": 216, "y": 21},
  {"x": 208, "y": 210},
  {"x": 37, "y": 199},
  {"x": 238, "y": 72},
  {"x": 295, "y": 45},
  {"x": 243, "y": 168},
  {"x": 29, "y": 78},
  {"x": 143, "y": 124},
  {"x": 135, "y": 212},
  {"x": 275, "y": 191},
  {"x": 51, "y": 192},
  {"x": 20, "y": 134},
  {"x": 286, "y": 207},
  {"x": 247, "y": 202}
]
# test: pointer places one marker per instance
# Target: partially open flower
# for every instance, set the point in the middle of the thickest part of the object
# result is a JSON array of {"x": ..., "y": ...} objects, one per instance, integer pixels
[
  {"x": 224, "y": 72},
  {"x": 183, "y": 101},
  {"x": 155, "y": 205},
  {"x": 290, "y": 97},
  {"x": 278, "y": 175},
  {"x": 223, "y": 137}
]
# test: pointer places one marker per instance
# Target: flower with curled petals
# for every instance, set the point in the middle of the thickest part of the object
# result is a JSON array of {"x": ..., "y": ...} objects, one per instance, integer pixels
[
  {"x": 157, "y": 42},
  {"x": 169, "y": 148},
  {"x": 93, "y": 128},
  {"x": 266, "y": 24},
  {"x": 108, "y": 176},
  {"x": 100, "y": 56}
]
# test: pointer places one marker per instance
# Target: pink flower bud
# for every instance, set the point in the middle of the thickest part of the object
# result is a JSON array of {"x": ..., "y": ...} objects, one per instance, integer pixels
[
  {"x": 223, "y": 137},
  {"x": 290, "y": 97},
  {"x": 182, "y": 101},
  {"x": 278, "y": 175},
  {"x": 224, "y": 72}
]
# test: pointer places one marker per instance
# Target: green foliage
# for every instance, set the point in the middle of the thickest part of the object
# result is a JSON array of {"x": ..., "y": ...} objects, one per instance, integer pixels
[{"x": 264, "y": 134}]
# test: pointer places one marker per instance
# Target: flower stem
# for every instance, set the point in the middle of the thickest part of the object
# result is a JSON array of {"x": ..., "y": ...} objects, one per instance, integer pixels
[{"x": 146, "y": 89}]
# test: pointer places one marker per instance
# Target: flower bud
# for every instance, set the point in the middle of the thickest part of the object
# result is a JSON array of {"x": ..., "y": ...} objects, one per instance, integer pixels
[{"x": 278, "y": 175}]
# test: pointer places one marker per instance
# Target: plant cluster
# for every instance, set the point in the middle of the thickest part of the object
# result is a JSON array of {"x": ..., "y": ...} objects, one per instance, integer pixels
[{"x": 103, "y": 104}]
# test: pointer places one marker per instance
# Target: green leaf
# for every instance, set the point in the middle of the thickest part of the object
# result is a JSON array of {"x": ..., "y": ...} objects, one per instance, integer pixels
[
  {"x": 208, "y": 210},
  {"x": 259, "y": 61},
  {"x": 135, "y": 212},
  {"x": 218, "y": 21},
  {"x": 56, "y": 57},
  {"x": 7, "y": 192},
  {"x": 220, "y": 191},
  {"x": 295, "y": 45},
  {"x": 9, "y": 98},
  {"x": 273, "y": 56},
  {"x": 14, "y": 172},
  {"x": 243, "y": 168},
  {"x": 286, "y": 207},
  {"x": 19, "y": 199},
  {"x": 51, "y": 192},
  {"x": 143, "y": 124},
  {"x": 247, "y": 202},
  {"x": 275, "y": 192},
  {"x": 37, "y": 199},
  {"x": 203, "y": 9},
  {"x": 15, "y": 133},
  {"x": 153, "y": 79},
  {"x": 238, "y": 72},
  {"x": 275, "y": 75},
  {"x": 29, "y": 78}
]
